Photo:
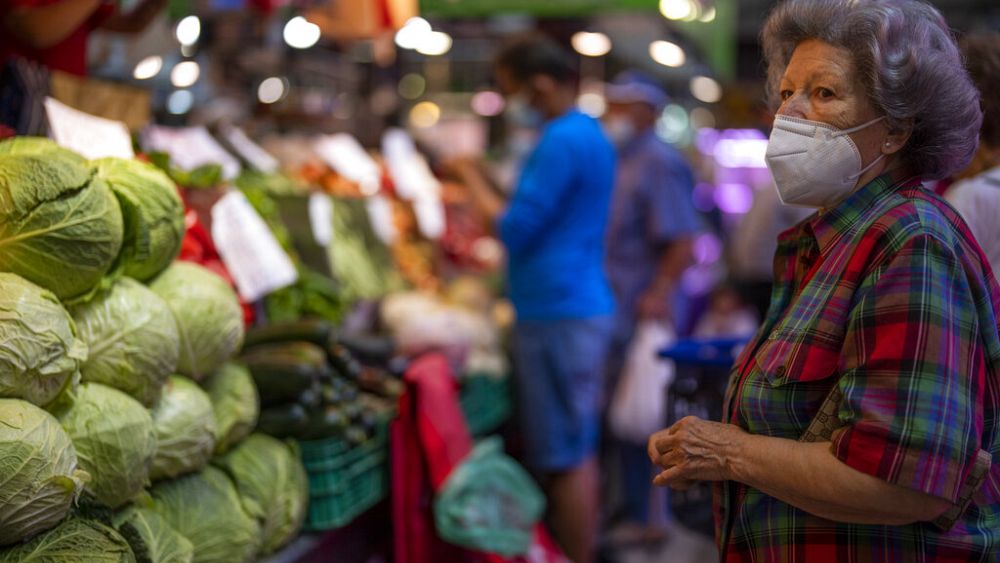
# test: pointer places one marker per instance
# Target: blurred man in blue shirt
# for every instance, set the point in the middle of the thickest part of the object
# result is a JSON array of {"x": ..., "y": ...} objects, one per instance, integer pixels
[
  {"x": 649, "y": 246},
  {"x": 553, "y": 229}
]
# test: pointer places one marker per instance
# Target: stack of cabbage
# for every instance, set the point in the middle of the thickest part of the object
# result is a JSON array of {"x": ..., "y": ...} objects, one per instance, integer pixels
[{"x": 105, "y": 340}]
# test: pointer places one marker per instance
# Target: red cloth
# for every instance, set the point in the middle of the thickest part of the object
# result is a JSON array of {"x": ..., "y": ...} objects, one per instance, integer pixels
[
  {"x": 428, "y": 440},
  {"x": 69, "y": 55}
]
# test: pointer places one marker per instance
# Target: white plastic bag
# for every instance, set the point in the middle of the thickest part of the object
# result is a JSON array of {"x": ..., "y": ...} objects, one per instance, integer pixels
[{"x": 639, "y": 401}]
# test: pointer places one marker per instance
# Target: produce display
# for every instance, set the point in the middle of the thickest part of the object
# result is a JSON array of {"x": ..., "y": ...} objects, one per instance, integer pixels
[
  {"x": 235, "y": 404},
  {"x": 42, "y": 352},
  {"x": 152, "y": 211},
  {"x": 185, "y": 429},
  {"x": 41, "y": 479},
  {"x": 60, "y": 227},
  {"x": 272, "y": 486},
  {"x": 206, "y": 509},
  {"x": 75, "y": 540},
  {"x": 115, "y": 442},
  {"x": 151, "y": 537},
  {"x": 132, "y": 340},
  {"x": 208, "y": 314}
]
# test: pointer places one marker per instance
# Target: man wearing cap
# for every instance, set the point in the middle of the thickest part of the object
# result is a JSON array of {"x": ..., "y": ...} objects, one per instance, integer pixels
[{"x": 649, "y": 236}]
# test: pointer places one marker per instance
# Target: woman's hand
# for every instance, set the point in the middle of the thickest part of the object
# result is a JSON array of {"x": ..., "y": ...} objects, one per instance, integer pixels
[{"x": 695, "y": 450}]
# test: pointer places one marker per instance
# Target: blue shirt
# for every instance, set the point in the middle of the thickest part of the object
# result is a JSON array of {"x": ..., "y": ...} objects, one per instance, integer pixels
[
  {"x": 554, "y": 227},
  {"x": 652, "y": 205}
]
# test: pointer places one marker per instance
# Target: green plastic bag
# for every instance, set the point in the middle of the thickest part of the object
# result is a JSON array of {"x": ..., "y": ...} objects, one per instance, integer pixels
[{"x": 489, "y": 503}]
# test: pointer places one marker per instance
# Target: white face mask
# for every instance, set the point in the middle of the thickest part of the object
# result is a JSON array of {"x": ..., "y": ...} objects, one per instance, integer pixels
[
  {"x": 814, "y": 164},
  {"x": 619, "y": 130}
]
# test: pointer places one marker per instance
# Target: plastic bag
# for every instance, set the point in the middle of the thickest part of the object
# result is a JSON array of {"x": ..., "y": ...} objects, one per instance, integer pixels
[
  {"x": 489, "y": 503},
  {"x": 638, "y": 406}
]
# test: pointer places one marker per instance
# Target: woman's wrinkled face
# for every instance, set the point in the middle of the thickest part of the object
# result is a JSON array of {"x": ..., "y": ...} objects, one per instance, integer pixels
[{"x": 820, "y": 84}]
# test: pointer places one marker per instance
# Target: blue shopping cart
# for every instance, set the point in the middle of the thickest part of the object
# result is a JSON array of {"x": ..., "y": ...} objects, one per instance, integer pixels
[{"x": 698, "y": 389}]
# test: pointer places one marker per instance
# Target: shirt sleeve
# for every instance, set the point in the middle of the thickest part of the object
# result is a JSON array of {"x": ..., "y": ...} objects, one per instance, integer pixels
[
  {"x": 670, "y": 213},
  {"x": 913, "y": 373},
  {"x": 544, "y": 182}
]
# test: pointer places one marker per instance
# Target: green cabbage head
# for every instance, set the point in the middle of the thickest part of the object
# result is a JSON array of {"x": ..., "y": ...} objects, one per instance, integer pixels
[
  {"x": 132, "y": 339},
  {"x": 114, "y": 440},
  {"x": 40, "y": 353},
  {"x": 39, "y": 479},
  {"x": 185, "y": 429},
  {"x": 75, "y": 541},
  {"x": 205, "y": 508},
  {"x": 151, "y": 538},
  {"x": 273, "y": 486},
  {"x": 152, "y": 211},
  {"x": 60, "y": 227},
  {"x": 208, "y": 315},
  {"x": 236, "y": 404}
]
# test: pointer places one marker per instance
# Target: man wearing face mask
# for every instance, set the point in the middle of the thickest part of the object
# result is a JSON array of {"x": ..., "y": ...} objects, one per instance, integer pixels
[
  {"x": 649, "y": 246},
  {"x": 553, "y": 229}
]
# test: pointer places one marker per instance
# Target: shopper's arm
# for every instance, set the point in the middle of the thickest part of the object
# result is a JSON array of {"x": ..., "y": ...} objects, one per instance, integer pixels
[
  {"x": 137, "y": 19},
  {"x": 44, "y": 26},
  {"x": 805, "y": 475},
  {"x": 674, "y": 259},
  {"x": 484, "y": 197}
]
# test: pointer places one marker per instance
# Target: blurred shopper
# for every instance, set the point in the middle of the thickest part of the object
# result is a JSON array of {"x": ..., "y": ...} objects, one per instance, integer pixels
[
  {"x": 553, "y": 229},
  {"x": 649, "y": 246},
  {"x": 867, "y": 413},
  {"x": 977, "y": 197},
  {"x": 54, "y": 33}
]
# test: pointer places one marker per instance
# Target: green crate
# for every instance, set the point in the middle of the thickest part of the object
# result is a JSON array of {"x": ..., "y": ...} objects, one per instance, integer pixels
[
  {"x": 327, "y": 512},
  {"x": 485, "y": 401},
  {"x": 344, "y": 481}
]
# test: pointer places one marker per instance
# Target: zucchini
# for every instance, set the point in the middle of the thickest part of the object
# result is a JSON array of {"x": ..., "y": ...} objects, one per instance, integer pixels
[
  {"x": 343, "y": 362},
  {"x": 283, "y": 421},
  {"x": 325, "y": 423},
  {"x": 316, "y": 331},
  {"x": 369, "y": 349},
  {"x": 279, "y": 382},
  {"x": 300, "y": 351}
]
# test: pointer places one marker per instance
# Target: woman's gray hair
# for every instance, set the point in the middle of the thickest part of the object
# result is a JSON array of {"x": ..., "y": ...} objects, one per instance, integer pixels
[{"x": 906, "y": 58}]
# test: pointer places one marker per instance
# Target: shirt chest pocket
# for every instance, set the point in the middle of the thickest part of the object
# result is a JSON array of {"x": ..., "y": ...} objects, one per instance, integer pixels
[{"x": 792, "y": 357}]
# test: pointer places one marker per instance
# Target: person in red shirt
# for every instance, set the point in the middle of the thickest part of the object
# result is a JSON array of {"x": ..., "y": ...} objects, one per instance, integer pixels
[{"x": 54, "y": 33}]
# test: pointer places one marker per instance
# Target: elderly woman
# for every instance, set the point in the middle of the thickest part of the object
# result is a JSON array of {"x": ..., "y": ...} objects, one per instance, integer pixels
[{"x": 861, "y": 422}]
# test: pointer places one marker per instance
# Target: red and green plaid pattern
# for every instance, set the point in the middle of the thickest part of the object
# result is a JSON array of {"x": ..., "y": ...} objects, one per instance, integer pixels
[{"x": 889, "y": 297}]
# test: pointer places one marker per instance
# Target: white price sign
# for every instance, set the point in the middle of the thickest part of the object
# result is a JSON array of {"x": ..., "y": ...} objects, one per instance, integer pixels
[
  {"x": 249, "y": 150},
  {"x": 252, "y": 255},
  {"x": 91, "y": 136},
  {"x": 189, "y": 148},
  {"x": 321, "y": 218},
  {"x": 346, "y": 155}
]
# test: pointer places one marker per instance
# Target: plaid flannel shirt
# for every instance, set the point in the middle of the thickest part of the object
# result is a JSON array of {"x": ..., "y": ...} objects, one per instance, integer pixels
[{"x": 887, "y": 296}]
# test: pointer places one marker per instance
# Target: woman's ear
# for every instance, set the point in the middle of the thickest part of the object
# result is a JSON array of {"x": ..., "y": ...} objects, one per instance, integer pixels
[{"x": 897, "y": 137}]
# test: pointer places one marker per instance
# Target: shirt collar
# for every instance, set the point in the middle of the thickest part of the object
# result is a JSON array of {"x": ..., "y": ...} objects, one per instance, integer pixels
[{"x": 830, "y": 226}]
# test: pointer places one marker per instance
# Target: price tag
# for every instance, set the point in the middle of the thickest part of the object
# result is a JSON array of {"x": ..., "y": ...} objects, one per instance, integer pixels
[
  {"x": 380, "y": 216},
  {"x": 409, "y": 170},
  {"x": 321, "y": 218},
  {"x": 349, "y": 159},
  {"x": 249, "y": 150},
  {"x": 91, "y": 136},
  {"x": 189, "y": 148},
  {"x": 430, "y": 217},
  {"x": 248, "y": 248}
]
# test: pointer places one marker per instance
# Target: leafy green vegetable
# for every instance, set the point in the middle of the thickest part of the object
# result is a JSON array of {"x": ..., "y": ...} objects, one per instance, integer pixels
[
  {"x": 205, "y": 508},
  {"x": 152, "y": 539},
  {"x": 39, "y": 479},
  {"x": 75, "y": 541},
  {"x": 114, "y": 440},
  {"x": 209, "y": 317},
  {"x": 202, "y": 177},
  {"x": 59, "y": 227},
  {"x": 41, "y": 353},
  {"x": 272, "y": 485},
  {"x": 152, "y": 212},
  {"x": 185, "y": 429},
  {"x": 235, "y": 402},
  {"x": 311, "y": 296},
  {"x": 132, "y": 337}
]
